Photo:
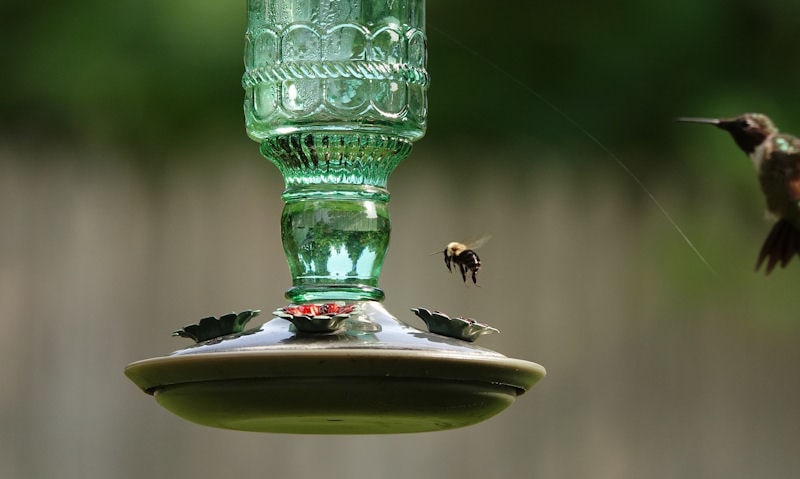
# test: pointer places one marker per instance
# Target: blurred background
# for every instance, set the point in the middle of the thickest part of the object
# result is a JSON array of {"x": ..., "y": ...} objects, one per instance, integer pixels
[{"x": 132, "y": 203}]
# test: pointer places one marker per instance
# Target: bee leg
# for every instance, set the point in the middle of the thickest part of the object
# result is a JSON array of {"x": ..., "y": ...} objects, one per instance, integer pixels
[
  {"x": 447, "y": 260},
  {"x": 474, "y": 276},
  {"x": 463, "y": 272}
]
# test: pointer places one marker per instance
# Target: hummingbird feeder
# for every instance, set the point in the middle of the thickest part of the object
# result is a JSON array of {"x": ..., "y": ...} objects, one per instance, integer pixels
[{"x": 335, "y": 96}]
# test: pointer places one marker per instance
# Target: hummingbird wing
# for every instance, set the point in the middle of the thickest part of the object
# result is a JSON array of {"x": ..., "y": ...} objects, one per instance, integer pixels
[
  {"x": 780, "y": 181},
  {"x": 780, "y": 176},
  {"x": 792, "y": 168}
]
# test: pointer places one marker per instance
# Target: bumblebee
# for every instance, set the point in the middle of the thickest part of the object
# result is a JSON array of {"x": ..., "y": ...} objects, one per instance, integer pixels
[{"x": 465, "y": 257}]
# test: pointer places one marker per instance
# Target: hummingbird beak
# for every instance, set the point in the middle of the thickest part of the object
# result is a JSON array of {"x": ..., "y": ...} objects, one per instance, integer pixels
[{"x": 690, "y": 119}]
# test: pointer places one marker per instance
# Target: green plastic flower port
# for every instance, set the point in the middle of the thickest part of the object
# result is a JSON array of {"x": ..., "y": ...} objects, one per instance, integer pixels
[
  {"x": 466, "y": 329},
  {"x": 315, "y": 318},
  {"x": 212, "y": 328}
]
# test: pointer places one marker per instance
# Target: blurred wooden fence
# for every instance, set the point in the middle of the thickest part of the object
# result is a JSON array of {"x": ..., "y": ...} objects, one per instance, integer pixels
[{"x": 657, "y": 367}]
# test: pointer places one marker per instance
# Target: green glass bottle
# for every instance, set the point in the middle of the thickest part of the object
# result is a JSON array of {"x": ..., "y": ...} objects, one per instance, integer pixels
[{"x": 335, "y": 95}]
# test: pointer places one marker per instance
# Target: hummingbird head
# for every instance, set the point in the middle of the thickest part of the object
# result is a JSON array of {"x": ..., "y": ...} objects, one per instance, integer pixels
[{"x": 748, "y": 130}]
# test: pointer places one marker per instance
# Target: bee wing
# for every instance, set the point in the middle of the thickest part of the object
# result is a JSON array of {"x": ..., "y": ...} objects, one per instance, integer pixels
[{"x": 480, "y": 242}]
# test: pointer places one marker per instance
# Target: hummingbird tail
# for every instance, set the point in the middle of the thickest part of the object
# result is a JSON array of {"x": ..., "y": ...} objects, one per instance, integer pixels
[{"x": 782, "y": 243}]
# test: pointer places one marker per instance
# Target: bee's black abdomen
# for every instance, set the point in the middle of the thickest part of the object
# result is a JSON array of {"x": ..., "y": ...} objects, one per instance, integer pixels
[
  {"x": 782, "y": 243},
  {"x": 469, "y": 261},
  {"x": 469, "y": 257},
  {"x": 465, "y": 260}
]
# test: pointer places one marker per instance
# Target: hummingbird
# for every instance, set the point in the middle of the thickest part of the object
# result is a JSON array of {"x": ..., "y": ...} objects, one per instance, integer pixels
[{"x": 776, "y": 158}]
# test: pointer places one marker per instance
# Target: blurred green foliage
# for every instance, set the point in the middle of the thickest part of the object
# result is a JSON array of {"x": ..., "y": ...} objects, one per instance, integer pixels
[
  {"x": 149, "y": 75},
  {"x": 133, "y": 73}
]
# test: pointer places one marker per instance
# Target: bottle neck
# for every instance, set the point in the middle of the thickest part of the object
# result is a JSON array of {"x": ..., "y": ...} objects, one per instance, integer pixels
[{"x": 335, "y": 224}]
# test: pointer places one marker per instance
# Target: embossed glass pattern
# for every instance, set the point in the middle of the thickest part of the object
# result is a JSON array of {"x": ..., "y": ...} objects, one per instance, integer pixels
[
  {"x": 314, "y": 64},
  {"x": 335, "y": 93}
]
